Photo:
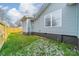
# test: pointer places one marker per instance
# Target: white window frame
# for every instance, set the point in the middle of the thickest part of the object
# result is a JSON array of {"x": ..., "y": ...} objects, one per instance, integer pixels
[
  {"x": 45, "y": 20},
  {"x": 51, "y": 14}
]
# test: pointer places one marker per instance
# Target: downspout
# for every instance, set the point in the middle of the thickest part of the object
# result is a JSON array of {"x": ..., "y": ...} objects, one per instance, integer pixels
[
  {"x": 77, "y": 20},
  {"x": 77, "y": 26}
]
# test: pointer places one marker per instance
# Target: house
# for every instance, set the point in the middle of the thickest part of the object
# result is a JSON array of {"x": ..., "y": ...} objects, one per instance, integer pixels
[{"x": 57, "y": 20}]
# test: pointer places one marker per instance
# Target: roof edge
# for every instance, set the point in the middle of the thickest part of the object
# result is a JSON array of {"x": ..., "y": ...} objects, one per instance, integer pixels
[{"x": 41, "y": 11}]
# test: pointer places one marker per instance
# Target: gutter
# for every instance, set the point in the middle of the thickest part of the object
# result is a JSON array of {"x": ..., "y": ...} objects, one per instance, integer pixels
[{"x": 71, "y": 4}]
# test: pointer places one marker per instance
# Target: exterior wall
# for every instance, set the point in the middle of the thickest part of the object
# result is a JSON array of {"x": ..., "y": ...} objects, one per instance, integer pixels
[
  {"x": 25, "y": 26},
  {"x": 69, "y": 21}
]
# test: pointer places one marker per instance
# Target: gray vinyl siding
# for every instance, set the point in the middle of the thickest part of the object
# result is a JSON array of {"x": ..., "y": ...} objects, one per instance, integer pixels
[{"x": 69, "y": 20}]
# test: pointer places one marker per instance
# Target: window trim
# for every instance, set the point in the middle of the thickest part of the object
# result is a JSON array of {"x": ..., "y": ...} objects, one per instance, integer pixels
[{"x": 51, "y": 14}]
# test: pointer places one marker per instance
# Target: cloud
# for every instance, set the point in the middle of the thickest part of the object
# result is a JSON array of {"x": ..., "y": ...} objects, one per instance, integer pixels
[
  {"x": 14, "y": 12},
  {"x": 14, "y": 15},
  {"x": 24, "y": 9},
  {"x": 29, "y": 9}
]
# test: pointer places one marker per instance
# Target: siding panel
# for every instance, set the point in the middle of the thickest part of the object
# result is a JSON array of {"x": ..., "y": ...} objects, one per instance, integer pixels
[{"x": 69, "y": 21}]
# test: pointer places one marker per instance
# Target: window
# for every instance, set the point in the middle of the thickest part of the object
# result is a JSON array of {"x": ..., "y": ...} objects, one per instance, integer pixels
[
  {"x": 54, "y": 19},
  {"x": 47, "y": 20}
]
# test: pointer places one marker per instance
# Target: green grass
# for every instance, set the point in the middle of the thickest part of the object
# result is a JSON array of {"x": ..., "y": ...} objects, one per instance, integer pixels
[
  {"x": 15, "y": 42},
  {"x": 31, "y": 45}
]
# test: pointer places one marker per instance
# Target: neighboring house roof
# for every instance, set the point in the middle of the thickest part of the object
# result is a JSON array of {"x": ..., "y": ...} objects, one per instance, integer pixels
[
  {"x": 8, "y": 24},
  {"x": 3, "y": 23},
  {"x": 24, "y": 18}
]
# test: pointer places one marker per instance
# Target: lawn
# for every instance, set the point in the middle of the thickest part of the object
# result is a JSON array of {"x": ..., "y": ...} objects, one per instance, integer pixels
[{"x": 18, "y": 44}]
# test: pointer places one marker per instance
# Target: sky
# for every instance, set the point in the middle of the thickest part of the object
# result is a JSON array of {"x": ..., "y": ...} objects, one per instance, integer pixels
[
  {"x": 17, "y": 10},
  {"x": 10, "y": 5}
]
